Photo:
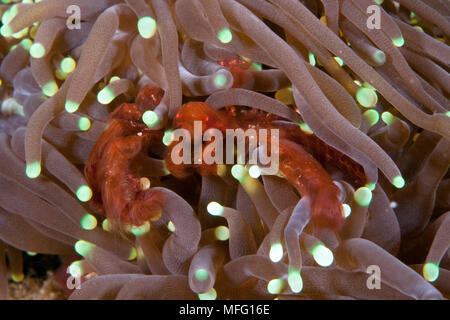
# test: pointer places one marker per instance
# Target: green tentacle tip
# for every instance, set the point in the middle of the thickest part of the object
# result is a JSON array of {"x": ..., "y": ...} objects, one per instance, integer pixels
[
  {"x": 210, "y": 295},
  {"x": 88, "y": 222},
  {"x": 371, "y": 186},
  {"x": 379, "y": 57},
  {"x": 75, "y": 269},
  {"x": 387, "y": 118},
  {"x": 147, "y": 27},
  {"x": 26, "y": 44},
  {"x": 50, "y": 89},
  {"x": 447, "y": 113},
  {"x": 171, "y": 226},
  {"x": 305, "y": 128},
  {"x": 37, "y": 50},
  {"x": 71, "y": 106},
  {"x": 430, "y": 271},
  {"x": 133, "y": 254},
  {"x": 201, "y": 274},
  {"x": 276, "y": 252},
  {"x": 339, "y": 61},
  {"x": 366, "y": 97},
  {"x": 347, "y": 210},
  {"x": 83, "y": 248},
  {"x": 239, "y": 172},
  {"x": 106, "y": 225},
  {"x": 17, "y": 277},
  {"x": 150, "y": 118},
  {"x": 312, "y": 59},
  {"x": 222, "y": 233},
  {"x": 363, "y": 196},
  {"x": 254, "y": 171},
  {"x": 33, "y": 170},
  {"x": 220, "y": 80},
  {"x": 140, "y": 230},
  {"x": 214, "y": 209},
  {"x": 398, "y": 42},
  {"x": 167, "y": 138},
  {"x": 114, "y": 78},
  {"x": 275, "y": 286},
  {"x": 106, "y": 95},
  {"x": 225, "y": 35},
  {"x": 84, "y": 124},
  {"x": 84, "y": 193},
  {"x": 256, "y": 66},
  {"x": 322, "y": 255},
  {"x": 10, "y": 13},
  {"x": 6, "y": 31},
  {"x": 398, "y": 182},
  {"x": 295, "y": 280},
  {"x": 372, "y": 116},
  {"x": 68, "y": 64}
]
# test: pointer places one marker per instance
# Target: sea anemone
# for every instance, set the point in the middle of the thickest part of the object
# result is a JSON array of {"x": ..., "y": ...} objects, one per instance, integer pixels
[{"x": 365, "y": 83}]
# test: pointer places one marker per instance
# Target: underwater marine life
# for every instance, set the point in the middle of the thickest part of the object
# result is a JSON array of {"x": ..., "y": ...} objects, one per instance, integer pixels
[{"x": 94, "y": 109}]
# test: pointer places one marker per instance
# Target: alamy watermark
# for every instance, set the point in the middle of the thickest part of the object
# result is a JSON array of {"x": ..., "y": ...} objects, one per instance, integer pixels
[
  {"x": 374, "y": 280},
  {"x": 214, "y": 152},
  {"x": 74, "y": 19},
  {"x": 374, "y": 20}
]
